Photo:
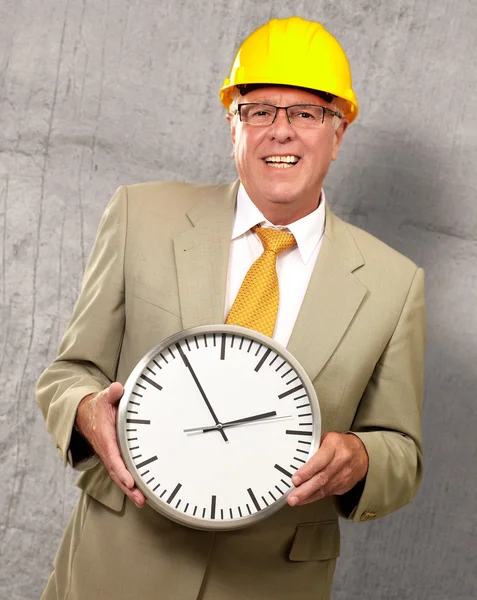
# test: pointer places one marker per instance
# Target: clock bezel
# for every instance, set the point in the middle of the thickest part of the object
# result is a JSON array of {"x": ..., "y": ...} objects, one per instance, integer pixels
[{"x": 161, "y": 506}]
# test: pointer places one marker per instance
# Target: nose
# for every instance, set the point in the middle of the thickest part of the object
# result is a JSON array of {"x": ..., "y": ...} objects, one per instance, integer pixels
[{"x": 281, "y": 130}]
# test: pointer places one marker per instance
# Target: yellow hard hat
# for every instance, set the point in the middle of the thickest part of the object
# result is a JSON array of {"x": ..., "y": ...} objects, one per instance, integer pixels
[{"x": 293, "y": 52}]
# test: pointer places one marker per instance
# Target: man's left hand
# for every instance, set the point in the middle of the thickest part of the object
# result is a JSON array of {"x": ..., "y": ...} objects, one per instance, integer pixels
[{"x": 338, "y": 465}]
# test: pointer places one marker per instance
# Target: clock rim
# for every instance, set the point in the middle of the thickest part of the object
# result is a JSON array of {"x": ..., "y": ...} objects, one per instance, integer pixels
[{"x": 151, "y": 499}]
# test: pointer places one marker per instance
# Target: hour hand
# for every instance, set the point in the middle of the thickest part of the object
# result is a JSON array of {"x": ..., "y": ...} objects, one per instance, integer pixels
[{"x": 261, "y": 417}]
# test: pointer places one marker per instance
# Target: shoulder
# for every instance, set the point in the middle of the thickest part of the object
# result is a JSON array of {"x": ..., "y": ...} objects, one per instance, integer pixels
[
  {"x": 169, "y": 196},
  {"x": 386, "y": 273}
]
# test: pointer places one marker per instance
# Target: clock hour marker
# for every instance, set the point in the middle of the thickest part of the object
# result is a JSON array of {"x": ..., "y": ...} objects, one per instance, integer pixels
[
  {"x": 272, "y": 496},
  {"x": 254, "y": 500},
  {"x": 151, "y": 371},
  {"x": 232, "y": 341},
  {"x": 250, "y": 346},
  {"x": 299, "y": 459},
  {"x": 132, "y": 412},
  {"x": 135, "y": 447},
  {"x": 300, "y": 397},
  {"x": 138, "y": 422},
  {"x": 285, "y": 374},
  {"x": 195, "y": 510},
  {"x": 292, "y": 391},
  {"x": 241, "y": 343},
  {"x": 205, "y": 340},
  {"x": 196, "y": 342},
  {"x": 273, "y": 360},
  {"x": 222, "y": 348},
  {"x": 292, "y": 380},
  {"x": 145, "y": 473},
  {"x": 135, "y": 403},
  {"x": 302, "y": 406},
  {"x": 187, "y": 344},
  {"x": 178, "y": 502},
  {"x": 248, "y": 508},
  {"x": 149, "y": 380},
  {"x": 174, "y": 493},
  {"x": 148, "y": 482},
  {"x": 262, "y": 360},
  {"x": 186, "y": 507},
  {"x": 292, "y": 432},
  {"x": 172, "y": 353},
  {"x": 221, "y": 513},
  {"x": 304, "y": 442},
  {"x": 282, "y": 470},
  {"x": 280, "y": 366},
  {"x": 240, "y": 511},
  {"x": 203, "y": 513},
  {"x": 305, "y": 415},
  {"x": 277, "y": 488},
  {"x": 212, "y": 507},
  {"x": 231, "y": 513},
  {"x": 136, "y": 394},
  {"x": 164, "y": 358},
  {"x": 285, "y": 483},
  {"x": 301, "y": 451},
  {"x": 163, "y": 493},
  {"x": 140, "y": 385},
  {"x": 263, "y": 498},
  {"x": 155, "y": 488},
  {"x": 146, "y": 462},
  {"x": 258, "y": 349},
  {"x": 157, "y": 365}
]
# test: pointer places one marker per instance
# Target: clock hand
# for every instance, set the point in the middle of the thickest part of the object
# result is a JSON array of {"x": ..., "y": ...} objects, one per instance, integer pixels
[
  {"x": 263, "y": 417},
  {"x": 194, "y": 377}
]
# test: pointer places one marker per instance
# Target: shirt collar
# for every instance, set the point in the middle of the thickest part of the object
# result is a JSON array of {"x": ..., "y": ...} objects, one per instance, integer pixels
[{"x": 308, "y": 230}]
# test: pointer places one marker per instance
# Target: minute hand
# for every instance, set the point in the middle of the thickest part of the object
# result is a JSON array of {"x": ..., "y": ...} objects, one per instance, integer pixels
[{"x": 197, "y": 382}]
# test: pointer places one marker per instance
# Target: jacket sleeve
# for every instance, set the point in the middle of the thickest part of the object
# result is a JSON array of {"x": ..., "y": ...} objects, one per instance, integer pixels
[
  {"x": 88, "y": 354},
  {"x": 388, "y": 420}
]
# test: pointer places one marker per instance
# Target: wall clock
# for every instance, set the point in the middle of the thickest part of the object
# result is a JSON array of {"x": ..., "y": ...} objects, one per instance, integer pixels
[{"x": 213, "y": 423}]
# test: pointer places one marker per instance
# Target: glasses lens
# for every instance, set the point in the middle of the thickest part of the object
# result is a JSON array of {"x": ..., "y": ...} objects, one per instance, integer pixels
[
  {"x": 257, "y": 114},
  {"x": 306, "y": 115}
]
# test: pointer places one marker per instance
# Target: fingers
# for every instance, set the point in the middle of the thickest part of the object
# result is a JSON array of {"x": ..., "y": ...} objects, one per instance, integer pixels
[
  {"x": 334, "y": 469},
  {"x": 119, "y": 474},
  {"x": 102, "y": 437},
  {"x": 114, "y": 393}
]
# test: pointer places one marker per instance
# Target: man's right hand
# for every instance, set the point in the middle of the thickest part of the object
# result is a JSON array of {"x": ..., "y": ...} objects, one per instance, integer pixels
[{"x": 96, "y": 420}]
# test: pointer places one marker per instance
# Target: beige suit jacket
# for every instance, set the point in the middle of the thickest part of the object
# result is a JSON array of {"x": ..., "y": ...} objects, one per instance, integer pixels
[{"x": 159, "y": 265}]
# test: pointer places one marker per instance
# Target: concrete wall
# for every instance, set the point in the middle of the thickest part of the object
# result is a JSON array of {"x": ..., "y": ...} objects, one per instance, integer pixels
[{"x": 95, "y": 94}]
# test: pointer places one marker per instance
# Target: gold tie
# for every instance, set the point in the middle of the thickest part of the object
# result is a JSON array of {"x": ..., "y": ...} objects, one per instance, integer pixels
[{"x": 256, "y": 304}]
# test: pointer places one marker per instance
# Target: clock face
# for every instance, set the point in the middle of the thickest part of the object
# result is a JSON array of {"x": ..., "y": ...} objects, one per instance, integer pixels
[{"x": 214, "y": 422}]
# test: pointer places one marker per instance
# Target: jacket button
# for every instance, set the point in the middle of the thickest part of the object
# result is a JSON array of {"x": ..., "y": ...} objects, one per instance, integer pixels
[{"x": 368, "y": 515}]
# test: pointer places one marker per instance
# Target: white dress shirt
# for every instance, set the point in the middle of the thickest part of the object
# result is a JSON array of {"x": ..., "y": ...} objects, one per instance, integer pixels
[{"x": 294, "y": 266}]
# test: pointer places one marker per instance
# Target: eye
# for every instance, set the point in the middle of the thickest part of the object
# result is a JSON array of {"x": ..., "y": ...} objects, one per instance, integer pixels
[{"x": 305, "y": 115}]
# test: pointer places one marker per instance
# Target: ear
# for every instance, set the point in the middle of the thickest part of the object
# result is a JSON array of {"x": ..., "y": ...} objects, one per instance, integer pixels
[
  {"x": 338, "y": 137},
  {"x": 232, "y": 123}
]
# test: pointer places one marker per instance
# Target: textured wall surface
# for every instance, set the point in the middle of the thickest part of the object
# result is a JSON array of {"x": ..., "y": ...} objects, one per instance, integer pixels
[{"x": 96, "y": 94}]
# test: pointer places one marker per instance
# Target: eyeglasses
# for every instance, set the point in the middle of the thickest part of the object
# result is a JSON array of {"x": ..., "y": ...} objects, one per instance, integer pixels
[{"x": 298, "y": 115}]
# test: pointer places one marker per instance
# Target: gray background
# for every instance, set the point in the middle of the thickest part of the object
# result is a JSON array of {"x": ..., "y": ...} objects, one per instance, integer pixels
[{"x": 97, "y": 94}]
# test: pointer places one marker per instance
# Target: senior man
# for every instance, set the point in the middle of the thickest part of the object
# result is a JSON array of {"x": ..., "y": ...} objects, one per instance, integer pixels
[{"x": 170, "y": 256}]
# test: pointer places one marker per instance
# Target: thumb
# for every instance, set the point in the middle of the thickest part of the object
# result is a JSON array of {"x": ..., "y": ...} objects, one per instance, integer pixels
[{"x": 115, "y": 392}]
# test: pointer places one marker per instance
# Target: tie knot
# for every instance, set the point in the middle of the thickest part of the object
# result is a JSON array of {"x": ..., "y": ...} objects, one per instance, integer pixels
[{"x": 275, "y": 240}]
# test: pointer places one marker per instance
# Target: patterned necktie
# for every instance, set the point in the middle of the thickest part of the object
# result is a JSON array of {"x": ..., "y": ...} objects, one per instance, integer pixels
[{"x": 256, "y": 304}]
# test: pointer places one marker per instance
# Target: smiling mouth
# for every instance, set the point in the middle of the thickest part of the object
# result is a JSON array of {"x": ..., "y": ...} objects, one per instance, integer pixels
[{"x": 282, "y": 162}]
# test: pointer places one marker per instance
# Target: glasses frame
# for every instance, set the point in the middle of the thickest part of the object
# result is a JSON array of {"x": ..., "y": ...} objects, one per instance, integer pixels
[{"x": 324, "y": 109}]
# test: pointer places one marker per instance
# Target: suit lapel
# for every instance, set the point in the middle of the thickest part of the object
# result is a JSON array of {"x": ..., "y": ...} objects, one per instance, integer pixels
[
  {"x": 331, "y": 301},
  {"x": 202, "y": 255}
]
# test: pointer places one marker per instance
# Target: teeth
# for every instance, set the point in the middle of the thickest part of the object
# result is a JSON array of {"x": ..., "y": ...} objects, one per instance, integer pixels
[{"x": 282, "y": 159}]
